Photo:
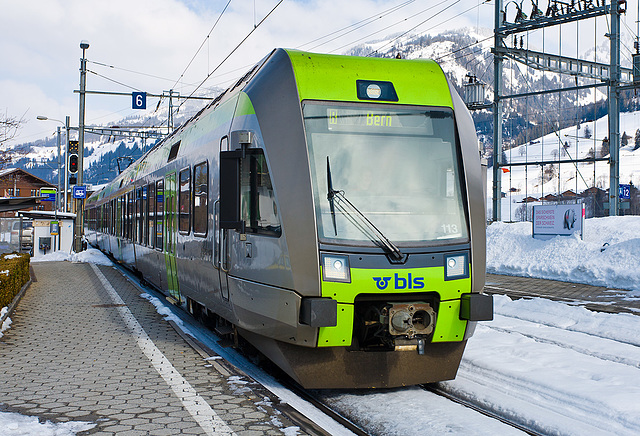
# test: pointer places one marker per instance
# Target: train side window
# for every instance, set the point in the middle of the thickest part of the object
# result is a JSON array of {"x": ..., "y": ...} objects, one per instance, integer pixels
[
  {"x": 139, "y": 217},
  {"x": 152, "y": 214},
  {"x": 145, "y": 216},
  {"x": 184, "y": 202},
  {"x": 119, "y": 216},
  {"x": 135, "y": 215},
  {"x": 131, "y": 212},
  {"x": 258, "y": 207},
  {"x": 159, "y": 213},
  {"x": 125, "y": 217},
  {"x": 200, "y": 197},
  {"x": 128, "y": 216},
  {"x": 173, "y": 152}
]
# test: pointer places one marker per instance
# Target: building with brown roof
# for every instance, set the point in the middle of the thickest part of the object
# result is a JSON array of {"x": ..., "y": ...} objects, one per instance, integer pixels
[{"x": 17, "y": 183}]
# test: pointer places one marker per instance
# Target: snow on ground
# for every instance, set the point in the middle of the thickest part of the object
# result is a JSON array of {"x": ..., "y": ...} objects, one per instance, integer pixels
[
  {"x": 6, "y": 323},
  {"x": 608, "y": 256},
  {"x": 14, "y": 424},
  {"x": 91, "y": 255},
  {"x": 555, "y": 368}
]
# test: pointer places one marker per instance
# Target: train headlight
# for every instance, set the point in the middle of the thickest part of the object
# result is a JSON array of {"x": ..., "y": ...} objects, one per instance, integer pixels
[
  {"x": 335, "y": 268},
  {"x": 456, "y": 266}
]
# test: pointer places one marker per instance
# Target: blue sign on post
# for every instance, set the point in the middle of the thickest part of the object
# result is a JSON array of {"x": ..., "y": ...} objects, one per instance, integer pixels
[
  {"x": 79, "y": 192},
  {"x": 624, "y": 191},
  {"x": 139, "y": 100}
]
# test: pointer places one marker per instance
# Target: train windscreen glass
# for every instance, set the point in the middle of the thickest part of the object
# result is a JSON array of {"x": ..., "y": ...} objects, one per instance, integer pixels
[{"x": 397, "y": 166}]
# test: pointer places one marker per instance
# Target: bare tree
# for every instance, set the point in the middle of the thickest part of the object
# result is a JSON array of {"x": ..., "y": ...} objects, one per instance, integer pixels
[{"x": 9, "y": 127}]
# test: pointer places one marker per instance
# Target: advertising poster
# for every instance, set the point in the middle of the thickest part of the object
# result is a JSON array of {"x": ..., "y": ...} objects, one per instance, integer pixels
[{"x": 558, "y": 220}]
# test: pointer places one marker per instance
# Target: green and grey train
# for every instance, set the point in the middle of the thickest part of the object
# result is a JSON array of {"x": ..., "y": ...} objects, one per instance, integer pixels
[{"x": 328, "y": 209}]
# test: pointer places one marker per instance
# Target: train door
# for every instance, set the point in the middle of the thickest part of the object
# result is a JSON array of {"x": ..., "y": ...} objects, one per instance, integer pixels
[
  {"x": 170, "y": 223},
  {"x": 221, "y": 251}
]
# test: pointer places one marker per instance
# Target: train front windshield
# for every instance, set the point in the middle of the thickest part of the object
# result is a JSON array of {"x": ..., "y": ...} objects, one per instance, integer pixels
[{"x": 396, "y": 166}]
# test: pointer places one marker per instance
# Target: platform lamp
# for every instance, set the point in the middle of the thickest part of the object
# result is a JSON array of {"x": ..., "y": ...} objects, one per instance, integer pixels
[{"x": 43, "y": 118}]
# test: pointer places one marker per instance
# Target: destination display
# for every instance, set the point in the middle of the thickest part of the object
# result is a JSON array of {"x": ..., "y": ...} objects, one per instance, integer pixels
[{"x": 380, "y": 121}]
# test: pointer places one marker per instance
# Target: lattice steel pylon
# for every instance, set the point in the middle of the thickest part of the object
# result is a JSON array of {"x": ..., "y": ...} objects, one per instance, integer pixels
[{"x": 611, "y": 75}]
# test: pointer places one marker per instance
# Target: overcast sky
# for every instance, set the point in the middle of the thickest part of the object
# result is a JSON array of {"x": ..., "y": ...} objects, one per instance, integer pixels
[{"x": 151, "y": 42}]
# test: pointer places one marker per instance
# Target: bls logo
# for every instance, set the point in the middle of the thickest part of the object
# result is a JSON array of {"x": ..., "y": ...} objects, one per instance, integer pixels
[{"x": 400, "y": 282}]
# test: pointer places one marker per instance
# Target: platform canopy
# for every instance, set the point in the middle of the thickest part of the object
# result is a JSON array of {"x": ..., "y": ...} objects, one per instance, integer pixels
[{"x": 17, "y": 203}]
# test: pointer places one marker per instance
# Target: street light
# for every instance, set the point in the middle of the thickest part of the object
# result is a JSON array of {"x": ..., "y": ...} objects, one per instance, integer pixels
[{"x": 43, "y": 118}]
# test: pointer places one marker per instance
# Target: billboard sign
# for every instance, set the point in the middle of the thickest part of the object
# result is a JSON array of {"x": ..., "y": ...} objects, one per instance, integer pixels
[
  {"x": 48, "y": 194},
  {"x": 558, "y": 220}
]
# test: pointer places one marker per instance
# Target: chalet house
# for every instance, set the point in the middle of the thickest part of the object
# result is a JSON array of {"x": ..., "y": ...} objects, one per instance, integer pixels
[{"x": 16, "y": 182}]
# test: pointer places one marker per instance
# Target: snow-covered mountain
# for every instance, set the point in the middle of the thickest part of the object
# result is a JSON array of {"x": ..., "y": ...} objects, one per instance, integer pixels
[
  {"x": 459, "y": 52},
  {"x": 103, "y": 154}
]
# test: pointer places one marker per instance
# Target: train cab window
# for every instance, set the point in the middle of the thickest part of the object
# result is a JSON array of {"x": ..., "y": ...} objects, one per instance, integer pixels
[
  {"x": 159, "y": 212},
  {"x": 258, "y": 207},
  {"x": 152, "y": 215},
  {"x": 398, "y": 166},
  {"x": 200, "y": 196},
  {"x": 184, "y": 199}
]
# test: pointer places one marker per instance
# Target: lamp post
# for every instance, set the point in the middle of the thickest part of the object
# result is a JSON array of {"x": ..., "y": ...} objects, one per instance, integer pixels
[{"x": 43, "y": 118}]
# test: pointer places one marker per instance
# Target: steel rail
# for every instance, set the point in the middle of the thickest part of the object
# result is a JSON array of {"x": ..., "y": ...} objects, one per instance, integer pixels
[{"x": 433, "y": 388}]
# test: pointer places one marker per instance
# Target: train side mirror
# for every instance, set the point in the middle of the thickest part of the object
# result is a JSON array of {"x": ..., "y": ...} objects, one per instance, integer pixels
[{"x": 230, "y": 190}]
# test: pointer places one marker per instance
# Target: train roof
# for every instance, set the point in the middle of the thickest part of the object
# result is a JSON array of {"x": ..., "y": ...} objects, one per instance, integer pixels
[{"x": 333, "y": 77}]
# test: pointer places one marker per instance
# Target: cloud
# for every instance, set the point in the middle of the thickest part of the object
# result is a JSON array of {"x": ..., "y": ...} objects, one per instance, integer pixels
[{"x": 40, "y": 46}]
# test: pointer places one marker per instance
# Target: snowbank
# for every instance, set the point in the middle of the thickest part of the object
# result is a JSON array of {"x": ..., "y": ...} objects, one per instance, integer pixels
[
  {"x": 608, "y": 256},
  {"x": 90, "y": 255},
  {"x": 16, "y": 424}
]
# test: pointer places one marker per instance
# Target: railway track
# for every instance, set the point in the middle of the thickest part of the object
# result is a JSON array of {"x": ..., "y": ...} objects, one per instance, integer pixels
[
  {"x": 306, "y": 424},
  {"x": 199, "y": 344},
  {"x": 433, "y": 388}
]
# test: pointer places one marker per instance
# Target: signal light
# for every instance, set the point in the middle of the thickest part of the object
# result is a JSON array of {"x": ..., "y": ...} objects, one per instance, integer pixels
[{"x": 73, "y": 163}]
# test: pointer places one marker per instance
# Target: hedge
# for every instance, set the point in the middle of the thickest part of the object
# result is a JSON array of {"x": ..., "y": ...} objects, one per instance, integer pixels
[{"x": 14, "y": 273}]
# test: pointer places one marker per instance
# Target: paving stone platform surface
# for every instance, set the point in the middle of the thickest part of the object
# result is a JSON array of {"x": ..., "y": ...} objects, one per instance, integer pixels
[
  {"x": 71, "y": 355},
  {"x": 592, "y": 297}
]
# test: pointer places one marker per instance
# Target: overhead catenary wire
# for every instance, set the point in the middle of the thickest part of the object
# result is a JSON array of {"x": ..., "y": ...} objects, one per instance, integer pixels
[
  {"x": 232, "y": 52},
  {"x": 203, "y": 43},
  {"x": 394, "y": 24},
  {"x": 433, "y": 27},
  {"x": 102, "y": 64},
  {"x": 355, "y": 26}
]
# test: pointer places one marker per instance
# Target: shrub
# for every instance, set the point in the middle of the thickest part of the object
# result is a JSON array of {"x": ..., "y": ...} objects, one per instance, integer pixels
[{"x": 14, "y": 273}]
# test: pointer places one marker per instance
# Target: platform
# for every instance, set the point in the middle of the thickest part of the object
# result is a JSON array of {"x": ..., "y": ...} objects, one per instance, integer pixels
[
  {"x": 84, "y": 346},
  {"x": 597, "y": 298}
]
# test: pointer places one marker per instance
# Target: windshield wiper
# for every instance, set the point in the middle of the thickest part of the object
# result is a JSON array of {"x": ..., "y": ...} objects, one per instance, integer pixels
[
  {"x": 363, "y": 224},
  {"x": 330, "y": 196}
]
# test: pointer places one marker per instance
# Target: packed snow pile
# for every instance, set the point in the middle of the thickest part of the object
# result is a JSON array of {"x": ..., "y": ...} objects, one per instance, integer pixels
[
  {"x": 90, "y": 255},
  {"x": 20, "y": 425},
  {"x": 608, "y": 256}
]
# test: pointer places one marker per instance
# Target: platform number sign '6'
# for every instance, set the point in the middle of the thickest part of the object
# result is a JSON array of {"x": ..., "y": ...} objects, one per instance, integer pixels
[{"x": 139, "y": 100}]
